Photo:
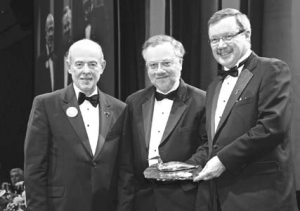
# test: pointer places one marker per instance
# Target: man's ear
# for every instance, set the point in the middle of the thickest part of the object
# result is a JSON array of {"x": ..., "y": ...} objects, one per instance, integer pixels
[
  {"x": 103, "y": 65},
  {"x": 68, "y": 66},
  {"x": 248, "y": 34}
]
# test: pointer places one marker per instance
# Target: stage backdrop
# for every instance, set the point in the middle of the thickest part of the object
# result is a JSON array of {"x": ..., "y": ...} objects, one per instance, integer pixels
[{"x": 60, "y": 23}]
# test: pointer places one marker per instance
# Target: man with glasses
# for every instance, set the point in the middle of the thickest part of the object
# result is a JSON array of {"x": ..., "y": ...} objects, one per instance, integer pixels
[
  {"x": 164, "y": 121},
  {"x": 248, "y": 125}
]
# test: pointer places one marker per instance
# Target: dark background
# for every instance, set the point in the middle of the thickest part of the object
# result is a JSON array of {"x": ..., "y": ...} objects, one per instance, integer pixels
[{"x": 275, "y": 33}]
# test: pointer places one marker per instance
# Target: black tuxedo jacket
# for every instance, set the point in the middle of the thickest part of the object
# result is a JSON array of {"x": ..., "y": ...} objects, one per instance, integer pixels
[
  {"x": 252, "y": 140},
  {"x": 181, "y": 138},
  {"x": 61, "y": 173}
]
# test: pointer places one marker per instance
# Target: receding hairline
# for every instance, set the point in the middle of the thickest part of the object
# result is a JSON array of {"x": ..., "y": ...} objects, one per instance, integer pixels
[
  {"x": 85, "y": 44},
  {"x": 162, "y": 39},
  {"x": 241, "y": 19}
]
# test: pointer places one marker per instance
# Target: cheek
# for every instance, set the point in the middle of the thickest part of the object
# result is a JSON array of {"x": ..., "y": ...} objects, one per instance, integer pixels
[{"x": 151, "y": 74}]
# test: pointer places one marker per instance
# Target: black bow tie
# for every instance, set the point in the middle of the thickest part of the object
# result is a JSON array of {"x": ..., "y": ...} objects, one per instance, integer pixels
[
  {"x": 170, "y": 96},
  {"x": 94, "y": 100},
  {"x": 234, "y": 71}
]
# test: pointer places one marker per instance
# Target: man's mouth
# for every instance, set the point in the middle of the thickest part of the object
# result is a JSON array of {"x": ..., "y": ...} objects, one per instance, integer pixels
[{"x": 86, "y": 79}]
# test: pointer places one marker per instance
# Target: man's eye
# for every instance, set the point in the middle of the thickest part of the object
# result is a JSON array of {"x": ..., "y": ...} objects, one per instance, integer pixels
[
  {"x": 166, "y": 63},
  {"x": 214, "y": 40},
  {"x": 78, "y": 65},
  {"x": 228, "y": 37},
  {"x": 93, "y": 65},
  {"x": 153, "y": 65}
]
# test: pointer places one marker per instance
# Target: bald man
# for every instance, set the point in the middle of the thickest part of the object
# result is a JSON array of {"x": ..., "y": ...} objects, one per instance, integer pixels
[{"x": 72, "y": 141}]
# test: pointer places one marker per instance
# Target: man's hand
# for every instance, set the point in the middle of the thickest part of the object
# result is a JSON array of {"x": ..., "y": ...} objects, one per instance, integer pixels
[{"x": 213, "y": 168}]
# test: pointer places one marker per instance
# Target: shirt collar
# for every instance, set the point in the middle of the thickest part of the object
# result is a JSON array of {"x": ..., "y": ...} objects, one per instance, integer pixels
[{"x": 77, "y": 90}]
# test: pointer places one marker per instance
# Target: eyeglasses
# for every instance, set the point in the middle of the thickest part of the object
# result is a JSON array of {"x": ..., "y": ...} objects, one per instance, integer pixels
[
  {"x": 226, "y": 38},
  {"x": 163, "y": 64}
]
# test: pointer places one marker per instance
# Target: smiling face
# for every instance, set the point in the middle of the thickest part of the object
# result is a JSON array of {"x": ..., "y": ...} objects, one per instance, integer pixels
[
  {"x": 86, "y": 65},
  {"x": 168, "y": 65},
  {"x": 228, "y": 53}
]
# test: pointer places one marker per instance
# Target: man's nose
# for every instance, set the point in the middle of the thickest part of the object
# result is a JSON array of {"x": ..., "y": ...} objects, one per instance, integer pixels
[
  {"x": 86, "y": 68},
  {"x": 221, "y": 43},
  {"x": 160, "y": 70}
]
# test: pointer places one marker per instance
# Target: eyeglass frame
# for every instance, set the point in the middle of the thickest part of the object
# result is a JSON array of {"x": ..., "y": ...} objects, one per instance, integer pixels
[
  {"x": 162, "y": 66},
  {"x": 227, "y": 38}
]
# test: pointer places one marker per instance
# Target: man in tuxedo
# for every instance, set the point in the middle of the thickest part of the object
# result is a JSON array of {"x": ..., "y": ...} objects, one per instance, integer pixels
[
  {"x": 248, "y": 125},
  {"x": 72, "y": 141},
  {"x": 46, "y": 62},
  {"x": 166, "y": 121}
]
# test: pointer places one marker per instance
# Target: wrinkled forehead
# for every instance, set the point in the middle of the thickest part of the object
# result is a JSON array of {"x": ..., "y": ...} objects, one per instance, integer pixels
[{"x": 86, "y": 52}]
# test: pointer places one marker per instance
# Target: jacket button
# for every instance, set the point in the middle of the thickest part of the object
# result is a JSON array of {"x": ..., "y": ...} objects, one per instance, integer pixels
[
  {"x": 216, "y": 146},
  {"x": 94, "y": 164}
]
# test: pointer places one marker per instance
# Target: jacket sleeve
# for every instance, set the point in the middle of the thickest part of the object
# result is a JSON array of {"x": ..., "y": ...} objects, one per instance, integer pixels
[
  {"x": 126, "y": 185},
  {"x": 36, "y": 157}
]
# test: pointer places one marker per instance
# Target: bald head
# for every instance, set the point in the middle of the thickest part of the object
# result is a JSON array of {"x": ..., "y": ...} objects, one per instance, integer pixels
[{"x": 86, "y": 45}]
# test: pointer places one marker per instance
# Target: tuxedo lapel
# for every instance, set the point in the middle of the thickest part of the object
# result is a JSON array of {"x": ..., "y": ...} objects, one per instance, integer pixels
[
  {"x": 177, "y": 110},
  {"x": 242, "y": 82},
  {"x": 147, "y": 109},
  {"x": 70, "y": 102},
  {"x": 105, "y": 118},
  {"x": 216, "y": 86}
]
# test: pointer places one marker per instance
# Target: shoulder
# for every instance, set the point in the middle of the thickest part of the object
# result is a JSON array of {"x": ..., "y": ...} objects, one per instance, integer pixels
[
  {"x": 196, "y": 93},
  {"x": 195, "y": 90},
  {"x": 49, "y": 97},
  {"x": 140, "y": 95},
  {"x": 273, "y": 65},
  {"x": 116, "y": 103}
]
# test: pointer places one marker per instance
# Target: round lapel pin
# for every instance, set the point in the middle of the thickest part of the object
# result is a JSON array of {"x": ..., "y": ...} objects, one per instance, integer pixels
[{"x": 72, "y": 112}]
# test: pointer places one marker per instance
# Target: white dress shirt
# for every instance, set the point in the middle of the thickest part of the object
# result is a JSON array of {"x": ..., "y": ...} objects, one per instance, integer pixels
[
  {"x": 226, "y": 89},
  {"x": 90, "y": 115},
  {"x": 161, "y": 113},
  {"x": 49, "y": 63}
]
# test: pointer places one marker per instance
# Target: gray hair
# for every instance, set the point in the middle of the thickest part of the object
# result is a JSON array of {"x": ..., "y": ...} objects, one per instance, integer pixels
[
  {"x": 160, "y": 39},
  {"x": 241, "y": 19}
]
